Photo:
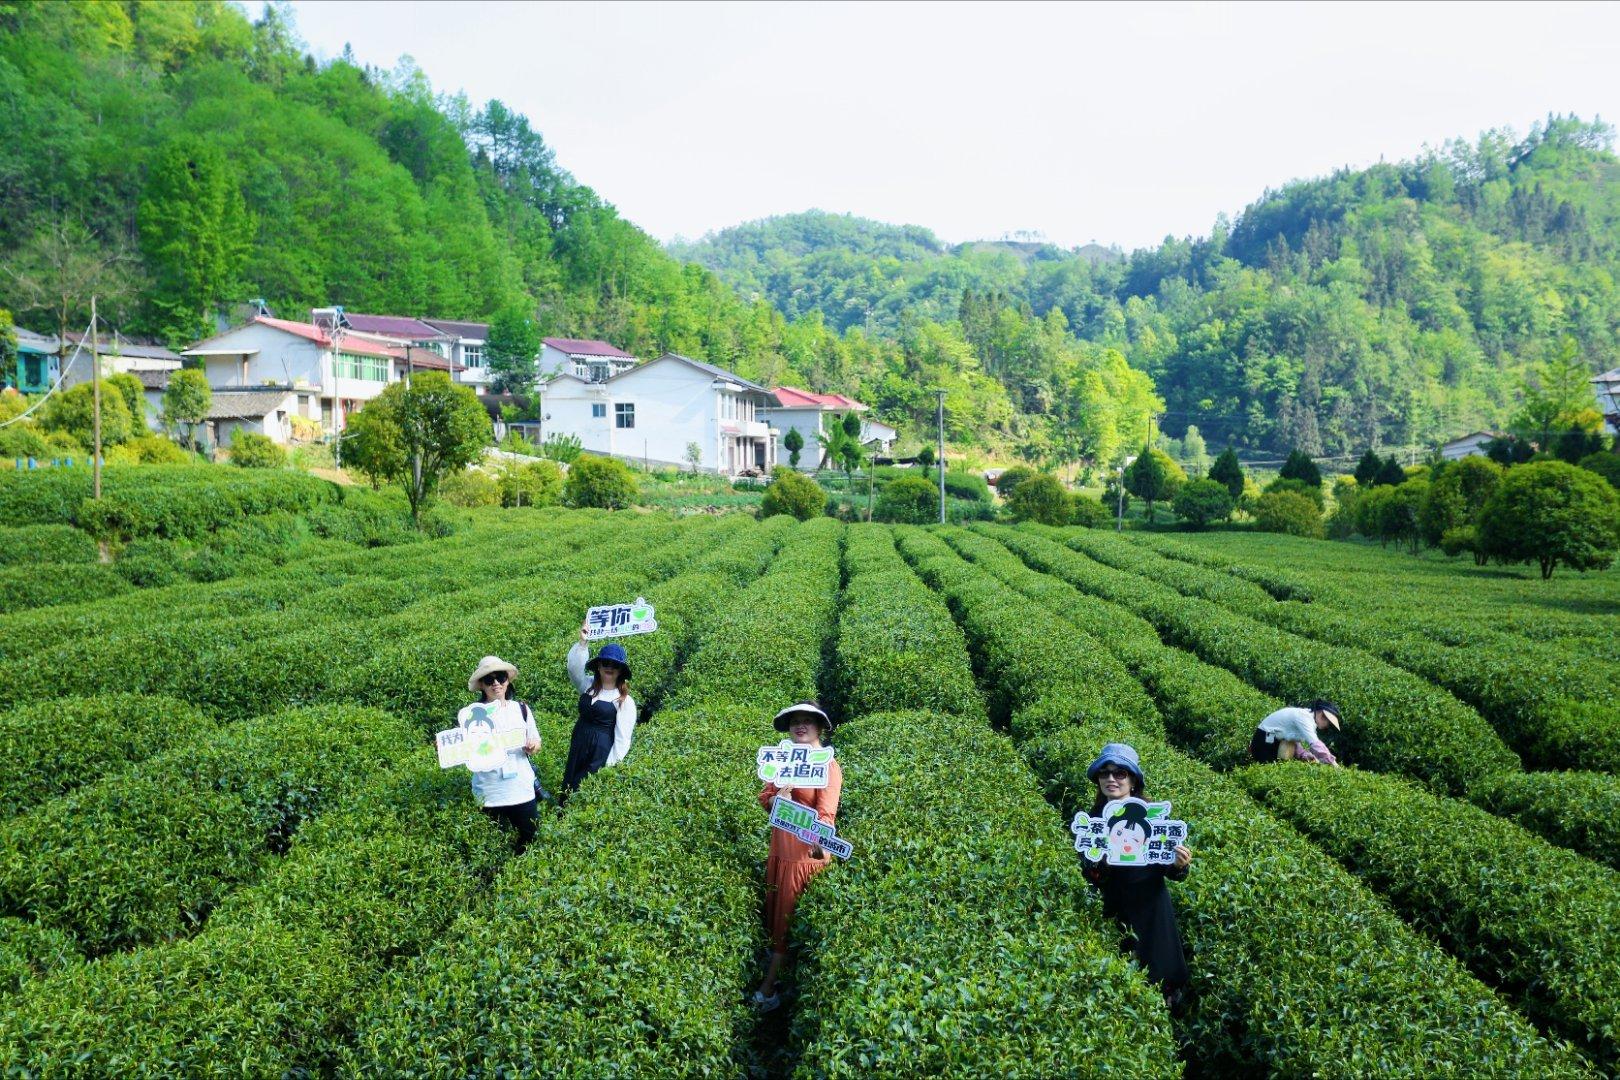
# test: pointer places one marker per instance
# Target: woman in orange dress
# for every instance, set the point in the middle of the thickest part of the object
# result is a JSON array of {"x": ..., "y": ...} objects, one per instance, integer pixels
[{"x": 792, "y": 862}]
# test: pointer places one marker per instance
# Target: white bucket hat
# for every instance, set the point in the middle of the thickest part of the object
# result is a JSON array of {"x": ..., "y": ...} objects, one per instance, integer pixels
[{"x": 487, "y": 665}]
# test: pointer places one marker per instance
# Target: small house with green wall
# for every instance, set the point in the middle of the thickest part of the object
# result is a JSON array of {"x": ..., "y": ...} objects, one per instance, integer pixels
[{"x": 39, "y": 361}]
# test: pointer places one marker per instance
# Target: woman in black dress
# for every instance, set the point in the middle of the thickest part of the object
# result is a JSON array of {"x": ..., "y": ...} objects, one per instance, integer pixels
[
  {"x": 607, "y": 713},
  {"x": 1137, "y": 895}
]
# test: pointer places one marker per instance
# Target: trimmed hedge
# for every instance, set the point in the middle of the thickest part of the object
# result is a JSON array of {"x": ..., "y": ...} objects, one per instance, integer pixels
[
  {"x": 29, "y": 545},
  {"x": 1398, "y": 1004},
  {"x": 1537, "y": 696},
  {"x": 272, "y": 985},
  {"x": 158, "y": 500},
  {"x": 1577, "y": 810},
  {"x": 55, "y": 746},
  {"x": 897, "y": 647},
  {"x": 1525, "y": 915},
  {"x": 146, "y": 855},
  {"x": 1395, "y": 721},
  {"x": 961, "y": 938},
  {"x": 639, "y": 908},
  {"x": 42, "y": 585},
  {"x": 29, "y": 951}
]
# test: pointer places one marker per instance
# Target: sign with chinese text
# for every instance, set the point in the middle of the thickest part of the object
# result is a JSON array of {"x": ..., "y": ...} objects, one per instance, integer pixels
[
  {"x": 480, "y": 744},
  {"x": 1129, "y": 832},
  {"x": 787, "y": 764},
  {"x": 800, "y": 821},
  {"x": 620, "y": 620}
]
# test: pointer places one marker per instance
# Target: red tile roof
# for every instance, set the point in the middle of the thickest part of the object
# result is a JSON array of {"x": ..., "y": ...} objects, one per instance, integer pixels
[
  {"x": 582, "y": 347},
  {"x": 792, "y": 398},
  {"x": 351, "y": 343}
]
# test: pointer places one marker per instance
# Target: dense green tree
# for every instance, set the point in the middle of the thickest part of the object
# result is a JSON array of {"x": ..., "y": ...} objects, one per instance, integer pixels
[
  {"x": 1299, "y": 466},
  {"x": 1041, "y": 498},
  {"x": 1288, "y": 512},
  {"x": 1228, "y": 472},
  {"x": 908, "y": 500},
  {"x": 195, "y": 235},
  {"x": 600, "y": 482},
  {"x": 1456, "y": 496},
  {"x": 414, "y": 434},
  {"x": 72, "y": 412},
  {"x": 1201, "y": 503},
  {"x": 512, "y": 351},
  {"x": 1153, "y": 477},
  {"x": 1606, "y": 464},
  {"x": 1552, "y": 513},
  {"x": 793, "y": 443},
  {"x": 186, "y": 402},
  {"x": 792, "y": 492},
  {"x": 1367, "y": 469},
  {"x": 1390, "y": 473}
]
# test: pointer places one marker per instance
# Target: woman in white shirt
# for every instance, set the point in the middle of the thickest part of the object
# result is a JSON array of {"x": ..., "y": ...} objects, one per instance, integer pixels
[
  {"x": 1295, "y": 733},
  {"x": 607, "y": 712},
  {"x": 505, "y": 786}
]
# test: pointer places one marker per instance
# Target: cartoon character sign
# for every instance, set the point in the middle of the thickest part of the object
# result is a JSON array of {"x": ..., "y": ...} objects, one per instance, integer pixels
[
  {"x": 481, "y": 744},
  {"x": 1129, "y": 832}
]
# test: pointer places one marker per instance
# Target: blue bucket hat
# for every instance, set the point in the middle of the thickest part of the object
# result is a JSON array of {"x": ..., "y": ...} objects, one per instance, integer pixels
[
  {"x": 1117, "y": 753},
  {"x": 613, "y": 653}
]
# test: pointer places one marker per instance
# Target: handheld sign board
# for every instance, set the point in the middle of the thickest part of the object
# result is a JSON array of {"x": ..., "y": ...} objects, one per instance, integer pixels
[
  {"x": 620, "y": 620},
  {"x": 1130, "y": 832},
  {"x": 481, "y": 744},
  {"x": 789, "y": 765},
  {"x": 800, "y": 821}
]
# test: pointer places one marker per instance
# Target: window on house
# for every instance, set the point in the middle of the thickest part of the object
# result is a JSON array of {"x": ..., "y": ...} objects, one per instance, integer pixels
[
  {"x": 598, "y": 411},
  {"x": 472, "y": 355},
  {"x": 369, "y": 368},
  {"x": 624, "y": 415},
  {"x": 33, "y": 370}
]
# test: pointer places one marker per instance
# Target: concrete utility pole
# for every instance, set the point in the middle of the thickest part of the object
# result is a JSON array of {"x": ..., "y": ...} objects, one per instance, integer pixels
[
  {"x": 1119, "y": 522},
  {"x": 941, "y": 394},
  {"x": 95, "y": 381}
]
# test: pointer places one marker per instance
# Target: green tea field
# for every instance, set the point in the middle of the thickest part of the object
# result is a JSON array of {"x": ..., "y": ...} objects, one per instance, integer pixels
[{"x": 227, "y": 847}]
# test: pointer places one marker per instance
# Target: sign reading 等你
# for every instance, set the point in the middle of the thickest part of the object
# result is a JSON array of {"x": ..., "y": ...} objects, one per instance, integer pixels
[
  {"x": 480, "y": 744},
  {"x": 1129, "y": 832},
  {"x": 788, "y": 764},
  {"x": 620, "y": 620},
  {"x": 800, "y": 821}
]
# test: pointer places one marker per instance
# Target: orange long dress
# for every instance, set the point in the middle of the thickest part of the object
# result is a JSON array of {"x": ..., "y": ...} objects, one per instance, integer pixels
[{"x": 791, "y": 864}]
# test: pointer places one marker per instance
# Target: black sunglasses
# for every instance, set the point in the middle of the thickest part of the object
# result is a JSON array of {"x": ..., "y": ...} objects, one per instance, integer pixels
[
  {"x": 494, "y": 678},
  {"x": 1113, "y": 774}
]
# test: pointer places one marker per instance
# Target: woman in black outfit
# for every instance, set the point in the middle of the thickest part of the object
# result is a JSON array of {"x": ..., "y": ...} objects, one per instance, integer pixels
[{"x": 1137, "y": 895}]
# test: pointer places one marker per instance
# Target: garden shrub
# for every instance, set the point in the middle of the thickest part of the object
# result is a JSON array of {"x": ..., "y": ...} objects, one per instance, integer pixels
[
  {"x": 173, "y": 501},
  {"x": 60, "y": 744},
  {"x": 1201, "y": 503},
  {"x": 251, "y": 450},
  {"x": 32, "y": 544},
  {"x": 1010, "y": 478},
  {"x": 145, "y": 855},
  {"x": 1089, "y": 513},
  {"x": 924, "y": 951},
  {"x": 911, "y": 500},
  {"x": 530, "y": 483},
  {"x": 600, "y": 482},
  {"x": 1606, "y": 464},
  {"x": 470, "y": 487},
  {"x": 150, "y": 450},
  {"x": 1552, "y": 513},
  {"x": 969, "y": 486},
  {"x": 1296, "y": 486},
  {"x": 793, "y": 493},
  {"x": 1041, "y": 498},
  {"x": 1520, "y": 912},
  {"x": 1288, "y": 512},
  {"x": 274, "y": 982},
  {"x": 44, "y": 584}
]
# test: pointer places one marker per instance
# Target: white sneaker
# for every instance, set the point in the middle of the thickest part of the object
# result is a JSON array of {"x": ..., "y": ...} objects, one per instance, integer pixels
[{"x": 766, "y": 1004}]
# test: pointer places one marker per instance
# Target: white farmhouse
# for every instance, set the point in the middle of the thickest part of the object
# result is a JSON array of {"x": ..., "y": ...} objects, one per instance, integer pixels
[
  {"x": 655, "y": 411},
  {"x": 329, "y": 372},
  {"x": 592, "y": 361},
  {"x": 812, "y": 414},
  {"x": 1466, "y": 445}
]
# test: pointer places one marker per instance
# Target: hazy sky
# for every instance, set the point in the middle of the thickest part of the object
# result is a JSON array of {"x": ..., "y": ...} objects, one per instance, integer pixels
[{"x": 1088, "y": 122}]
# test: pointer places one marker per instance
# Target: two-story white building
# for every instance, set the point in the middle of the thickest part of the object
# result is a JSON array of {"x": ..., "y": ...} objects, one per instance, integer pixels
[
  {"x": 330, "y": 372},
  {"x": 654, "y": 411},
  {"x": 811, "y": 414},
  {"x": 590, "y": 361}
]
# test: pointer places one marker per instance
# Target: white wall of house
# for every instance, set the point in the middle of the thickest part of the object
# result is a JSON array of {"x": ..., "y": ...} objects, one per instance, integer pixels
[
  {"x": 807, "y": 422},
  {"x": 654, "y": 411},
  {"x": 259, "y": 355},
  {"x": 1464, "y": 447}
]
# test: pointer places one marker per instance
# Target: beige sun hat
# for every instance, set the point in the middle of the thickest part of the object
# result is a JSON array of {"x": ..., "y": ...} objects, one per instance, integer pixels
[{"x": 487, "y": 665}]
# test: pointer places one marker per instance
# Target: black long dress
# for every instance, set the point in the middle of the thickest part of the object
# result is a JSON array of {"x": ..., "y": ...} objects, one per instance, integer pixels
[
  {"x": 591, "y": 742},
  {"x": 1138, "y": 898}
]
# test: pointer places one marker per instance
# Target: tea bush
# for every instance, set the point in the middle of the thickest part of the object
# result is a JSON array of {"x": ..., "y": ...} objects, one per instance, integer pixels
[
  {"x": 1578, "y": 810},
  {"x": 31, "y": 544},
  {"x": 44, "y": 584}
]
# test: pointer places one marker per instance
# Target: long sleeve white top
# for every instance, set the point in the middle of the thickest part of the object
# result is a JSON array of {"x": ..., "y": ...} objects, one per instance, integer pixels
[
  {"x": 624, "y": 727},
  {"x": 513, "y": 782}
]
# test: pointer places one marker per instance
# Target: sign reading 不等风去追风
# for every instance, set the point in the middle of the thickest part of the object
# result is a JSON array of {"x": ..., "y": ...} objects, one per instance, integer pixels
[
  {"x": 1129, "y": 832},
  {"x": 787, "y": 764},
  {"x": 480, "y": 744},
  {"x": 801, "y": 822},
  {"x": 620, "y": 620}
]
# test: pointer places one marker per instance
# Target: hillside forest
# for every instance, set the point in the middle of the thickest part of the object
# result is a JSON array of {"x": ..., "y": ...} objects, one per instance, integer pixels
[{"x": 179, "y": 159}]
